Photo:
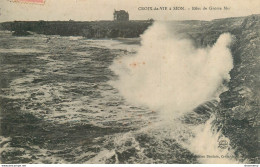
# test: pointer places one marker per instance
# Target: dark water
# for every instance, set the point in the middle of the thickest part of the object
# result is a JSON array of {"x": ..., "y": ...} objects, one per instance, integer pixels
[{"x": 58, "y": 106}]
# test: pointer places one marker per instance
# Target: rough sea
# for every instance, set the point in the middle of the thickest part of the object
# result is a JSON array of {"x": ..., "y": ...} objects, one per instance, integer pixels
[{"x": 60, "y": 104}]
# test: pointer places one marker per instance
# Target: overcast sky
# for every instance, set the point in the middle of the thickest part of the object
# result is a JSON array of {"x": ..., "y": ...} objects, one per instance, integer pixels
[{"x": 83, "y": 10}]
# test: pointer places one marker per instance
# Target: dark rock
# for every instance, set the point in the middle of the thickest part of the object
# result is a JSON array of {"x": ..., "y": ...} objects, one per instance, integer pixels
[
  {"x": 21, "y": 33},
  {"x": 238, "y": 111}
]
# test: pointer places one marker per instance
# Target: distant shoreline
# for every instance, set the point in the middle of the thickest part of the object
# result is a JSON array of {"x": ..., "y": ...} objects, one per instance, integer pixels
[{"x": 88, "y": 29}]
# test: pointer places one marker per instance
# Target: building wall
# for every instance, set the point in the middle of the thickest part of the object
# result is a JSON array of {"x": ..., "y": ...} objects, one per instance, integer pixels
[{"x": 121, "y": 16}]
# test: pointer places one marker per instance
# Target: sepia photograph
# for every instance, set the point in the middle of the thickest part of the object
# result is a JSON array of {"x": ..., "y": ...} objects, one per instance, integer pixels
[{"x": 129, "y": 82}]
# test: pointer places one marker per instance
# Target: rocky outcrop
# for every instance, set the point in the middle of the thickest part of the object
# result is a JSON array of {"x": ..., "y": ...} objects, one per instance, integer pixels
[
  {"x": 21, "y": 33},
  {"x": 238, "y": 111}
]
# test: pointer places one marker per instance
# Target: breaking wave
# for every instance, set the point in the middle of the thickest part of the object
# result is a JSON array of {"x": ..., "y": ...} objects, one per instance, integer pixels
[{"x": 170, "y": 76}]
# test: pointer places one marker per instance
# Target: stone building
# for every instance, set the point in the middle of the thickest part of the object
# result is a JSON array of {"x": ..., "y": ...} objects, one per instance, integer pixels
[{"x": 121, "y": 15}]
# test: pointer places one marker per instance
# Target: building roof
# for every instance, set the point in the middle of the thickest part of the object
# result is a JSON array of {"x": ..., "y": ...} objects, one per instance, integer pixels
[{"x": 120, "y": 12}]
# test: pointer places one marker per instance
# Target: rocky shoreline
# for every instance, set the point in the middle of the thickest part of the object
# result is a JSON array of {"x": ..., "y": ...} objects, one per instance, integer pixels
[{"x": 237, "y": 113}]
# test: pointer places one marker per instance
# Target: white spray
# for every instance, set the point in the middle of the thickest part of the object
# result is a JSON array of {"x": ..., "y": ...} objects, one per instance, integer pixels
[{"x": 171, "y": 76}]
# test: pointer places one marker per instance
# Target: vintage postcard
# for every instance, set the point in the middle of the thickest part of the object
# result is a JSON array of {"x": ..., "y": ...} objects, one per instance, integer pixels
[{"x": 129, "y": 82}]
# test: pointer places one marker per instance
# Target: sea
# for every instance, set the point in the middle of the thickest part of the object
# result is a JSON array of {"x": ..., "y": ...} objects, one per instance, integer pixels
[{"x": 73, "y": 100}]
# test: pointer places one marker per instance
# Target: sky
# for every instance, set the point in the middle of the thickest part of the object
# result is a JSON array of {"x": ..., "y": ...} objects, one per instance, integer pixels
[{"x": 90, "y": 10}]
